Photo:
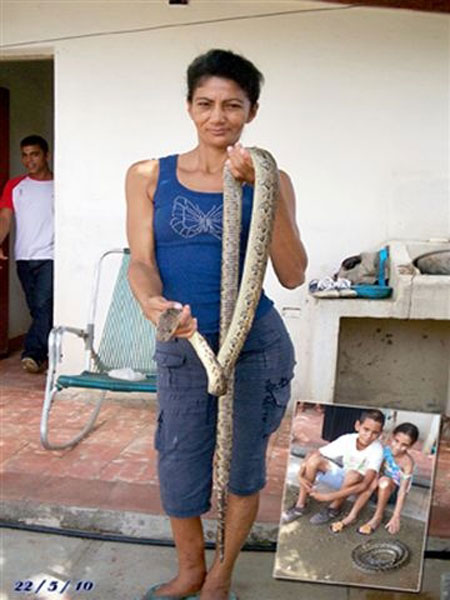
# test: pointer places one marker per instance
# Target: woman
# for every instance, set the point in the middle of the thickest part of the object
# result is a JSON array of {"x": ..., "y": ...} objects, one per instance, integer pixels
[{"x": 174, "y": 231}]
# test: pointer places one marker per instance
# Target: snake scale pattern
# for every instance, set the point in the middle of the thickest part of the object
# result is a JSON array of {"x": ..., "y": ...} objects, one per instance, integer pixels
[
  {"x": 237, "y": 308},
  {"x": 376, "y": 557}
]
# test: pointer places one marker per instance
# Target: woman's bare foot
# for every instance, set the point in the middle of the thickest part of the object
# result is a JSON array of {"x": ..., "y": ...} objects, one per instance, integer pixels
[
  {"x": 182, "y": 586},
  {"x": 222, "y": 593},
  {"x": 215, "y": 589}
]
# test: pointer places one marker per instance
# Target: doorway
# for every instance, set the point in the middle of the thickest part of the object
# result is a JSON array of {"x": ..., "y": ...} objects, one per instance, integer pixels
[{"x": 26, "y": 107}]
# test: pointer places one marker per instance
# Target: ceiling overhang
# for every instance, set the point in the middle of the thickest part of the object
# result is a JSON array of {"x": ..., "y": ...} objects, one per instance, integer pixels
[{"x": 438, "y": 6}]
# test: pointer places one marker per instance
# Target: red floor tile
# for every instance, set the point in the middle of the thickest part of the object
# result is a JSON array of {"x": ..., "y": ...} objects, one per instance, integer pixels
[{"x": 115, "y": 467}]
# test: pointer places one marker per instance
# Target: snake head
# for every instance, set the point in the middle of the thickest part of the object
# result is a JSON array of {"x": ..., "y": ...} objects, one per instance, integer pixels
[
  {"x": 167, "y": 324},
  {"x": 218, "y": 387}
]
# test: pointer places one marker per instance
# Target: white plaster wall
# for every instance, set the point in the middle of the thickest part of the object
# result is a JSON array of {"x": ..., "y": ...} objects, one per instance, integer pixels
[
  {"x": 30, "y": 85},
  {"x": 426, "y": 423},
  {"x": 355, "y": 108},
  {"x": 393, "y": 363}
]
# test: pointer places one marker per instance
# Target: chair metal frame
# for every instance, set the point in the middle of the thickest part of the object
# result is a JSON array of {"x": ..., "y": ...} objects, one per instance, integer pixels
[{"x": 55, "y": 347}]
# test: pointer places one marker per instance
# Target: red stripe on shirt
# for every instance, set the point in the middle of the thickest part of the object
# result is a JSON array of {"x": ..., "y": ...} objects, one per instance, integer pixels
[{"x": 6, "y": 201}]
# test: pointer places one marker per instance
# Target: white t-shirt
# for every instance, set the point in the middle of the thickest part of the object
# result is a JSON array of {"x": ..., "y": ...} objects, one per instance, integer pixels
[
  {"x": 344, "y": 447},
  {"x": 31, "y": 200}
]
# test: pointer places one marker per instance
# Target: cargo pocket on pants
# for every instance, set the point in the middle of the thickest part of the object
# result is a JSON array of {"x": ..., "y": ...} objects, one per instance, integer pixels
[
  {"x": 158, "y": 433},
  {"x": 275, "y": 403},
  {"x": 169, "y": 367}
]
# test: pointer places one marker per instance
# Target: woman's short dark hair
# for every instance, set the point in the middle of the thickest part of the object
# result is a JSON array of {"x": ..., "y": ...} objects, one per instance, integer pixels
[
  {"x": 408, "y": 429},
  {"x": 228, "y": 65},
  {"x": 35, "y": 140}
]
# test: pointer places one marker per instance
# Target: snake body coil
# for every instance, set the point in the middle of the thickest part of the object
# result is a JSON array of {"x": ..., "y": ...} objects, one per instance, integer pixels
[
  {"x": 237, "y": 308},
  {"x": 375, "y": 557}
]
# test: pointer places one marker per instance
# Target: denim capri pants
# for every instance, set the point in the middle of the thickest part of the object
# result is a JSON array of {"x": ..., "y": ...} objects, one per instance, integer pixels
[{"x": 186, "y": 432}]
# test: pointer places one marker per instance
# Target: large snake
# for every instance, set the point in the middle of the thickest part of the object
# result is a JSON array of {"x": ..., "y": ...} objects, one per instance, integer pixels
[
  {"x": 237, "y": 308},
  {"x": 375, "y": 557}
]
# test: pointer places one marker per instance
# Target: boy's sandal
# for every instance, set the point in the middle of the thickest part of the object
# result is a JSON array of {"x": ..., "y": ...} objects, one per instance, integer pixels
[
  {"x": 325, "y": 515},
  {"x": 291, "y": 514},
  {"x": 337, "y": 527},
  {"x": 366, "y": 529},
  {"x": 150, "y": 595}
]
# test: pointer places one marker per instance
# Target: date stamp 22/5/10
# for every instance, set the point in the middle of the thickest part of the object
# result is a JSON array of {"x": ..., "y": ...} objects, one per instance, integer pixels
[{"x": 53, "y": 585}]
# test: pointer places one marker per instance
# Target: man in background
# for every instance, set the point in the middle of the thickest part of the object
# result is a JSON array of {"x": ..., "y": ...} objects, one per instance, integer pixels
[{"x": 29, "y": 199}]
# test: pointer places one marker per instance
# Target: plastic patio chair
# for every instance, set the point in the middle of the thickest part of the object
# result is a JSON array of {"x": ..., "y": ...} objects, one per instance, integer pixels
[{"x": 127, "y": 340}]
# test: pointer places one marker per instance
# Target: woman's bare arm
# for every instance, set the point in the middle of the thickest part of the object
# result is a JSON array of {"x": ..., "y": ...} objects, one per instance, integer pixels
[
  {"x": 287, "y": 252},
  {"x": 143, "y": 273}
]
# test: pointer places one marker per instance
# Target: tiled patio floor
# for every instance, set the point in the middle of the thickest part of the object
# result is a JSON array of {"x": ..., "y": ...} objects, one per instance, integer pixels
[{"x": 115, "y": 467}]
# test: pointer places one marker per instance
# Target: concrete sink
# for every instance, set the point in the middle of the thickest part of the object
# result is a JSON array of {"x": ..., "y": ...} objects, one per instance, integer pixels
[
  {"x": 422, "y": 296},
  {"x": 419, "y": 303}
]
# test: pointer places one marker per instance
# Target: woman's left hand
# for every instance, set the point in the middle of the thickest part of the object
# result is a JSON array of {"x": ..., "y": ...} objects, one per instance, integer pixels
[{"x": 241, "y": 164}]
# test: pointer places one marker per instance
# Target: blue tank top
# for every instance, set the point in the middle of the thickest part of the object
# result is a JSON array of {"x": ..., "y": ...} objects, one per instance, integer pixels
[{"x": 188, "y": 245}]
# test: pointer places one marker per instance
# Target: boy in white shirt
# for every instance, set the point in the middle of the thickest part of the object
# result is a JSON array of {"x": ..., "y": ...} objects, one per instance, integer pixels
[{"x": 361, "y": 454}]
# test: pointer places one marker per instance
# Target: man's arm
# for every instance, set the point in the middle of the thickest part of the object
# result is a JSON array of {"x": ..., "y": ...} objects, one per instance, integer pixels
[{"x": 5, "y": 227}]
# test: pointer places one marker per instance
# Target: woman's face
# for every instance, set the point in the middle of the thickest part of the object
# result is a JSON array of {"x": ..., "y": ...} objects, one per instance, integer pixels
[{"x": 219, "y": 110}]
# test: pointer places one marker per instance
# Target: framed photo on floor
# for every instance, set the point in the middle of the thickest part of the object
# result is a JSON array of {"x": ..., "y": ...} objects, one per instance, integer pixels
[{"x": 357, "y": 496}]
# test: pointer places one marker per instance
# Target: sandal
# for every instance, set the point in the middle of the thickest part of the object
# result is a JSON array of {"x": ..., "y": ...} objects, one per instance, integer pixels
[
  {"x": 150, "y": 595},
  {"x": 366, "y": 529},
  {"x": 325, "y": 515},
  {"x": 337, "y": 526},
  {"x": 291, "y": 514}
]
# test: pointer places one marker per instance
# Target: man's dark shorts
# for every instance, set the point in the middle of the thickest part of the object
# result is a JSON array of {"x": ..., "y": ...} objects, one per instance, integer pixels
[{"x": 186, "y": 430}]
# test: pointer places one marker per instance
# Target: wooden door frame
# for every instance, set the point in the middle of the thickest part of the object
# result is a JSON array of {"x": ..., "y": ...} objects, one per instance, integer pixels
[
  {"x": 4, "y": 176},
  {"x": 436, "y": 6}
]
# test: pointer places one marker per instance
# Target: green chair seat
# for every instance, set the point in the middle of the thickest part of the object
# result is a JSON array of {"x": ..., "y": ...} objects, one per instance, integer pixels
[
  {"x": 102, "y": 381},
  {"x": 126, "y": 340}
]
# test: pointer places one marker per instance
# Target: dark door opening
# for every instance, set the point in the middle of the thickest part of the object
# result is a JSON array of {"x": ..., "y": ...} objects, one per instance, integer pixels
[
  {"x": 26, "y": 107},
  {"x": 4, "y": 264}
]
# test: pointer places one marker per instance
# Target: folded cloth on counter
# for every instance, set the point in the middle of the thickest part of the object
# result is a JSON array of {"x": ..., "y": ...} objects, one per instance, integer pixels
[
  {"x": 331, "y": 288},
  {"x": 328, "y": 283}
]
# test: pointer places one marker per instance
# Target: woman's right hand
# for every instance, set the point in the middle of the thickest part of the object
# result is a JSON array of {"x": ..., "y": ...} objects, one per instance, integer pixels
[{"x": 156, "y": 305}]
